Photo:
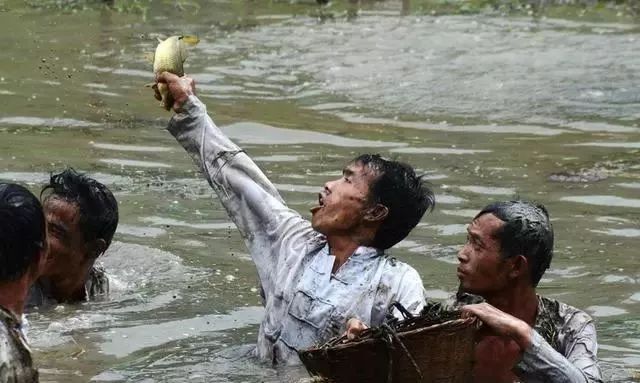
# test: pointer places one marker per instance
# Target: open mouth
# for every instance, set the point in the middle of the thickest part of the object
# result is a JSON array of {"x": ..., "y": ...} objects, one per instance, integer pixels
[{"x": 320, "y": 204}]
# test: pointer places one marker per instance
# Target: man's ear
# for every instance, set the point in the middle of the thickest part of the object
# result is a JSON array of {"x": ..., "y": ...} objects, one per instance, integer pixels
[
  {"x": 519, "y": 267},
  {"x": 98, "y": 247},
  {"x": 376, "y": 213}
]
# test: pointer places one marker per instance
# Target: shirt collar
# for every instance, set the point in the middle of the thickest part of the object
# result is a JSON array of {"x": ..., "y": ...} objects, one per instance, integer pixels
[{"x": 362, "y": 253}]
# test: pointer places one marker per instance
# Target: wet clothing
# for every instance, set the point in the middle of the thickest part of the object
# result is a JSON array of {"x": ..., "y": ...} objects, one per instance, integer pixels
[
  {"x": 563, "y": 346},
  {"x": 96, "y": 286},
  {"x": 16, "y": 363},
  {"x": 305, "y": 302},
  {"x": 563, "y": 343}
]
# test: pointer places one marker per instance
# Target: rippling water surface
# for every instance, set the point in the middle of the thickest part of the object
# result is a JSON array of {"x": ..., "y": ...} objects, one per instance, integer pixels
[{"x": 488, "y": 108}]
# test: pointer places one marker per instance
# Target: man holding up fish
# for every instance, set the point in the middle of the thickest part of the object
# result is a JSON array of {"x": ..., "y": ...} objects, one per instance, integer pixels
[{"x": 315, "y": 275}]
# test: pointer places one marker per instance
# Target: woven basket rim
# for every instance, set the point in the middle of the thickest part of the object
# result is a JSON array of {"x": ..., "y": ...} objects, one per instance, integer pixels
[{"x": 454, "y": 323}]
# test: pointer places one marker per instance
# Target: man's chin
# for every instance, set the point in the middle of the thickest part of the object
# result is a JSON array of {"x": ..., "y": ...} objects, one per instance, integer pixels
[{"x": 317, "y": 225}]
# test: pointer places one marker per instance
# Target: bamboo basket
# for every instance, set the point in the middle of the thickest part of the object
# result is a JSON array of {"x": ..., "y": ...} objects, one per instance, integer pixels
[{"x": 420, "y": 349}]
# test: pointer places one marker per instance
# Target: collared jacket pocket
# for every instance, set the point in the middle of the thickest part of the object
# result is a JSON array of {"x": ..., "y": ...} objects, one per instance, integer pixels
[
  {"x": 306, "y": 322},
  {"x": 311, "y": 310}
]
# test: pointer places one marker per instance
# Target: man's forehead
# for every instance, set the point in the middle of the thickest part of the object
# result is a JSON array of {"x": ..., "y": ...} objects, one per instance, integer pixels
[
  {"x": 486, "y": 225},
  {"x": 61, "y": 208},
  {"x": 358, "y": 168}
]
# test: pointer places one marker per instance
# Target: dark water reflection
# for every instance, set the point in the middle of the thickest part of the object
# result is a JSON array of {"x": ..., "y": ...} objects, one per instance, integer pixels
[{"x": 487, "y": 107}]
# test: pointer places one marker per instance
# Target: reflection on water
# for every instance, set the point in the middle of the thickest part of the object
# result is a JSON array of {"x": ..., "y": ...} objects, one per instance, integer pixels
[
  {"x": 262, "y": 134},
  {"x": 627, "y": 232},
  {"x": 489, "y": 190},
  {"x": 52, "y": 122},
  {"x": 438, "y": 151},
  {"x": 129, "y": 148},
  {"x": 604, "y": 200},
  {"x": 125, "y": 341},
  {"x": 486, "y": 108},
  {"x": 134, "y": 163},
  {"x": 605, "y": 311}
]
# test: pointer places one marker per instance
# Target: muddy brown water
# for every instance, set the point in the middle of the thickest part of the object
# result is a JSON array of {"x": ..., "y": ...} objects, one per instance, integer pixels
[{"x": 487, "y": 107}]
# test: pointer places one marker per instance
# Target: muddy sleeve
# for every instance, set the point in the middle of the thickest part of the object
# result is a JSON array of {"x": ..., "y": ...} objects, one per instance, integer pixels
[
  {"x": 542, "y": 363},
  {"x": 252, "y": 202}
]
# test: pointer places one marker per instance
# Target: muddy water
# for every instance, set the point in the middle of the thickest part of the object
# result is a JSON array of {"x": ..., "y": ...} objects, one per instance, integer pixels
[{"x": 488, "y": 108}]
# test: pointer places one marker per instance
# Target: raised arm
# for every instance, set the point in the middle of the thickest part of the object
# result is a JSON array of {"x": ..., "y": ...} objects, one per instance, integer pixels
[{"x": 250, "y": 199}]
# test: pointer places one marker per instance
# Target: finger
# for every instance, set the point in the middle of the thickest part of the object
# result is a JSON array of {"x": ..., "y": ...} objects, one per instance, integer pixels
[
  {"x": 167, "y": 77},
  {"x": 156, "y": 92}
]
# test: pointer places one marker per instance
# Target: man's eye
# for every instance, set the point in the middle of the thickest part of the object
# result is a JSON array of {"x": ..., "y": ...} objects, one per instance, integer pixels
[{"x": 347, "y": 179}]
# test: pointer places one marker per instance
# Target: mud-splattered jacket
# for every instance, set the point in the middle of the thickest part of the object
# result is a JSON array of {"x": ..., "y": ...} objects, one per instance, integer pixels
[
  {"x": 563, "y": 343},
  {"x": 16, "y": 363},
  {"x": 305, "y": 302},
  {"x": 97, "y": 285}
]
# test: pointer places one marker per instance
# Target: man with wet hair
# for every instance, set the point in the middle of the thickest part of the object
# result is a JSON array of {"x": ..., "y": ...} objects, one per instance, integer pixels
[
  {"x": 23, "y": 251},
  {"x": 509, "y": 247},
  {"x": 526, "y": 337},
  {"x": 82, "y": 217},
  {"x": 315, "y": 275}
]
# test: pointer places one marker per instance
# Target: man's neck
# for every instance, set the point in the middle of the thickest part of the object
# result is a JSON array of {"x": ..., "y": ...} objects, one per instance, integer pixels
[
  {"x": 520, "y": 301},
  {"x": 68, "y": 288},
  {"x": 341, "y": 248},
  {"x": 13, "y": 295}
]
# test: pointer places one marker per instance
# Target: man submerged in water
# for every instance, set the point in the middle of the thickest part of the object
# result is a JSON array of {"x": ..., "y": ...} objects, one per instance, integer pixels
[
  {"x": 315, "y": 275},
  {"x": 527, "y": 337},
  {"x": 82, "y": 216},
  {"x": 23, "y": 252}
]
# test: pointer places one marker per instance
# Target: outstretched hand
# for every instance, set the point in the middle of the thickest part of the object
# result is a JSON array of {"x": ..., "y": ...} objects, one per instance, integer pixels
[
  {"x": 180, "y": 88},
  {"x": 501, "y": 323}
]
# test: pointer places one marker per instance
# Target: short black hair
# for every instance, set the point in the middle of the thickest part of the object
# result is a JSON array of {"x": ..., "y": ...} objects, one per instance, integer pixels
[
  {"x": 22, "y": 231},
  {"x": 527, "y": 231},
  {"x": 405, "y": 194},
  {"x": 97, "y": 206}
]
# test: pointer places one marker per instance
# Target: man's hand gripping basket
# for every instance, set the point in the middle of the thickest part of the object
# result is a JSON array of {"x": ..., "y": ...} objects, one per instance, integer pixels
[{"x": 428, "y": 349}]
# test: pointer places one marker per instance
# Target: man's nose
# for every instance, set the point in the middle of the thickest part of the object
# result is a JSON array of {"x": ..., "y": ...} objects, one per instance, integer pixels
[
  {"x": 462, "y": 255},
  {"x": 328, "y": 186}
]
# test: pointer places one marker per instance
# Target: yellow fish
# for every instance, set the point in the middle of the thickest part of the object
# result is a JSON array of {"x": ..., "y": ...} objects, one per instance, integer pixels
[{"x": 169, "y": 57}]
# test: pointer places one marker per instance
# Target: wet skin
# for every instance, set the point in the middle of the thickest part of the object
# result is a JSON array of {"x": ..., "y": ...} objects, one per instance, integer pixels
[
  {"x": 342, "y": 203},
  {"x": 481, "y": 270},
  {"x": 484, "y": 272},
  {"x": 69, "y": 258}
]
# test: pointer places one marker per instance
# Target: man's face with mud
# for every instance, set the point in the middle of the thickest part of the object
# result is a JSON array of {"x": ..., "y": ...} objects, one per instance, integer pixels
[
  {"x": 343, "y": 203},
  {"x": 68, "y": 248}
]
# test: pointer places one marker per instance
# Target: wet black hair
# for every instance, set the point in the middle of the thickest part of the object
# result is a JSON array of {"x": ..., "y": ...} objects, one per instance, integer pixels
[
  {"x": 527, "y": 231},
  {"x": 97, "y": 206},
  {"x": 22, "y": 231},
  {"x": 405, "y": 194}
]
